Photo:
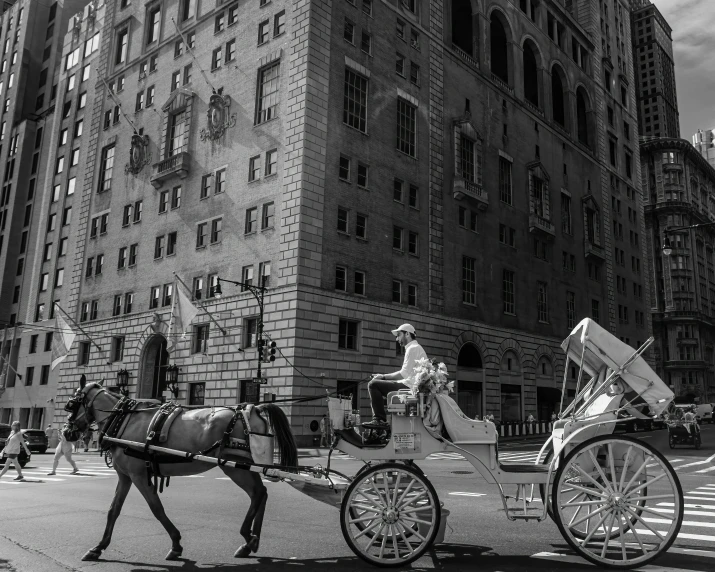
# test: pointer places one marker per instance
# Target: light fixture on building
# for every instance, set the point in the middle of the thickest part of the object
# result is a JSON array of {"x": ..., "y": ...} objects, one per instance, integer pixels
[
  {"x": 667, "y": 248},
  {"x": 217, "y": 289},
  {"x": 123, "y": 381},
  {"x": 172, "y": 380}
]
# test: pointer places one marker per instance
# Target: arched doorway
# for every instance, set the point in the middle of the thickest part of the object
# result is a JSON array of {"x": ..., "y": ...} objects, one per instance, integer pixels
[
  {"x": 470, "y": 390},
  {"x": 511, "y": 383},
  {"x": 152, "y": 369}
]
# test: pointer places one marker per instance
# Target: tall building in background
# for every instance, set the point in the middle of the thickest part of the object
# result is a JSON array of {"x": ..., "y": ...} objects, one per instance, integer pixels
[
  {"x": 36, "y": 216},
  {"x": 654, "y": 71},
  {"x": 478, "y": 179},
  {"x": 704, "y": 142}
]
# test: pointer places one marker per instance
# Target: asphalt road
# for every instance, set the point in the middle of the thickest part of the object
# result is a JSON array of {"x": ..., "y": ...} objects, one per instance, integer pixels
[{"x": 47, "y": 525}]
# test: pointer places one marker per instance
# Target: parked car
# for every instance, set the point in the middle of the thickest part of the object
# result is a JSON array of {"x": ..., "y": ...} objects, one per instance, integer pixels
[
  {"x": 635, "y": 425},
  {"x": 704, "y": 411},
  {"x": 36, "y": 440},
  {"x": 5, "y": 431}
]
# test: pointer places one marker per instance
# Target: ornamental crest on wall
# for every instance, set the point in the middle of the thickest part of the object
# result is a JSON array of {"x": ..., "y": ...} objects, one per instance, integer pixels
[
  {"x": 219, "y": 117},
  {"x": 139, "y": 155}
]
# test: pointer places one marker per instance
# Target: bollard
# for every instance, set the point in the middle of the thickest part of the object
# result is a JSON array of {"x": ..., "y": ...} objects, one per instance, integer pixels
[
  {"x": 508, "y": 431},
  {"x": 501, "y": 429}
]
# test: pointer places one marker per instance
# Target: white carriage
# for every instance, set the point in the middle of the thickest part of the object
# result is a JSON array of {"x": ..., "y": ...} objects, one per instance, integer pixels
[{"x": 606, "y": 493}]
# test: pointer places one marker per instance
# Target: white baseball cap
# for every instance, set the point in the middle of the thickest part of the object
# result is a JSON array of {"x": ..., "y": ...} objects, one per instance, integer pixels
[{"x": 404, "y": 328}]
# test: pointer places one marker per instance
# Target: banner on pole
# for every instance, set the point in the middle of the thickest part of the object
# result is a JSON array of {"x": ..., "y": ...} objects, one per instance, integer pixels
[
  {"x": 62, "y": 339},
  {"x": 182, "y": 313}
]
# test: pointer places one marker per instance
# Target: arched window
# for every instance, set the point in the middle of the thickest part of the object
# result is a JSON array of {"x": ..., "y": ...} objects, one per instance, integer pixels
[
  {"x": 544, "y": 367},
  {"x": 462, "y": 25},
  {"x": 582, "y": 109},
  {"x": 558, "y": 106},
  {"x": 531, "y": 74},
  {"x": 510, "y": 363},
  {"x": 469, "y": 357},
  {"x": 499, "y": 48}
]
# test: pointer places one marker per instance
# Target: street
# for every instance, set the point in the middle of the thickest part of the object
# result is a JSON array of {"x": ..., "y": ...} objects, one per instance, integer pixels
[{"x": 48, "y": 523}]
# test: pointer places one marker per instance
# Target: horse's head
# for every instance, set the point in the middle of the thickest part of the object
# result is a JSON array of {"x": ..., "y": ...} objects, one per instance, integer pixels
[{"x": 79, "y": 406}]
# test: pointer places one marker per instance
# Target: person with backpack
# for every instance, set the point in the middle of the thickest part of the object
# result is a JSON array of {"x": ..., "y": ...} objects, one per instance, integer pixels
[
  {"x": 12, "y": 450},
  {"x": 64, "y": 447}
]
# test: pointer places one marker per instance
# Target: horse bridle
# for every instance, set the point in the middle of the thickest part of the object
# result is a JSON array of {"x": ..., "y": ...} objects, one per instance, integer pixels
[{"x": 74, "y": 403}]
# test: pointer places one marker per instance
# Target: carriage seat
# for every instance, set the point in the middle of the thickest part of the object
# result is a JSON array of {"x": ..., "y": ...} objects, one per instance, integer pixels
[{"x": 462, "y": 429}]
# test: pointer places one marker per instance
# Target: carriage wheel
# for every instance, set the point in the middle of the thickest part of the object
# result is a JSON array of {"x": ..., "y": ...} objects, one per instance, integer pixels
[
  {"x": 390, "y": 515},
  {"x": 600, "y": 488},
  {"x": 108, "y": 458}
]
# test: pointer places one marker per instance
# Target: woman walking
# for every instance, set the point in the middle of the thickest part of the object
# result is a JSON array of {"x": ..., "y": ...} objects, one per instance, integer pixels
[
  {"x": 64, "y": 447},
  {"x": 12, "y": 450}
]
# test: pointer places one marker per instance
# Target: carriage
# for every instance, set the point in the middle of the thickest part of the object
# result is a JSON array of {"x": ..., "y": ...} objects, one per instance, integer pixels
[
  {"x": 616, "y": 500},
  {"x": 683, "y": 433}
]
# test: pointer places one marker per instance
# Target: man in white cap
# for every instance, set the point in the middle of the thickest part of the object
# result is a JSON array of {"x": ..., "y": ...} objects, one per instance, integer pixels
[{"x": 383, "y": 383}]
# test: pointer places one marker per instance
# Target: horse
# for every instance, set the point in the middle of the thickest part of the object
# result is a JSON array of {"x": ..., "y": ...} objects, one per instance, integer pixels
[{"x": 194, "y": 430}]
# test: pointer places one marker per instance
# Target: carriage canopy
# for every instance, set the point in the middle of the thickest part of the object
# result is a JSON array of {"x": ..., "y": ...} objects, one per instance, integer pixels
[{"x": 604, "y": 350}]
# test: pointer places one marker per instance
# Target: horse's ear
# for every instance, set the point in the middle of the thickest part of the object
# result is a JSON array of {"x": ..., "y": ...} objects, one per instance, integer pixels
[
  {"x": 82, "y": 381},
  {"x": 101, "y": 382}
]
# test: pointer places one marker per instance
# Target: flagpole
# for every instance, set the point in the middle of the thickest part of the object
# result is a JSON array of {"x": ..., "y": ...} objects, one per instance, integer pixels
[
  {"x": 85, "y": 333},
  {"x": 2, "y": 368},
  {"x": 223, "y": 331}
]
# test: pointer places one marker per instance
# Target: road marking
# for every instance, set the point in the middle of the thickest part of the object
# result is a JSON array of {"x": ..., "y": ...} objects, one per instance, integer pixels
[
  {"x": 681, "y": 535},
  {"x": 703, "y": 492},
  {"x": 687, "y": 512},
  {"x": 692, "y": 551},
  {"x": 469, "y": 494},
  {"x": 572, "y": 558},
  {"x": 188, "y": 477},
  {"x": 706, "y": 470},
  {"x": 43, "y": 478},
  {"x": 685, "y": 522},
  {"x": 687, "y": 505},
  {"x": 705, "y": 462},
  {"x": 698, "y": 498}
]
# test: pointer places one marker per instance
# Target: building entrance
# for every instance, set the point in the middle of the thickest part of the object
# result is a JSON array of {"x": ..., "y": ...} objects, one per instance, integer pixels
[{"x": 152, "y": 370}]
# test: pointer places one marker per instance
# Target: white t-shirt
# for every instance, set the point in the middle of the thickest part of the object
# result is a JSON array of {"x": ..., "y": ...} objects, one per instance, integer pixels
[{"x": 413, "y": 352}]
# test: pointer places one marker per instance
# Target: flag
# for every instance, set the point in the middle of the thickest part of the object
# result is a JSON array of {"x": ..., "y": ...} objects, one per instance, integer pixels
[
  {"x": 182, "y": 312},
  {"x": 62, "y": 338}
]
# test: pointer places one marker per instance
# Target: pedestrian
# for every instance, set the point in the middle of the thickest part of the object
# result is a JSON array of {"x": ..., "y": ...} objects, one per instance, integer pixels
[
  {"x": 12, "y": 450},
  {"x": 87, "y": 438},
  {"x": 64, "y": 447},
  {"x": 325, "y": 431}
]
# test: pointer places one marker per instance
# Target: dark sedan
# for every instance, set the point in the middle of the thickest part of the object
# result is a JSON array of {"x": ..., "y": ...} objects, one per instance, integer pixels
[
  {"x": 5, "y": 431},
  {"x": 36, "y": 440}
]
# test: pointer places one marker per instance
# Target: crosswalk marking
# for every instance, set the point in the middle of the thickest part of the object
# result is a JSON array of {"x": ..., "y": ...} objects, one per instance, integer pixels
[
  {"x": 685, "y": 522},
  {"x": 706, "y": 470},
  {"x": 572, "y": 558},
  {"x": 468, "y": 494},
  {"x": 704, "y": 462}
]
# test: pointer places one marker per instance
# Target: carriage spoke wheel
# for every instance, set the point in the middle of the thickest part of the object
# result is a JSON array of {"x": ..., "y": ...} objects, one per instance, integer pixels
[
  {"x": 617, "y": 501},
  {"x": 390, "y": 515}
]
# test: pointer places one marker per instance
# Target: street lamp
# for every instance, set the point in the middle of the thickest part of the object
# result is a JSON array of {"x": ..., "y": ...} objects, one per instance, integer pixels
[
  {"x": 123, "y": 381},
  {"x": 258, "y": 293},
  {"x": 667, "y": 247},
  {"x": 172, "y": 380}
]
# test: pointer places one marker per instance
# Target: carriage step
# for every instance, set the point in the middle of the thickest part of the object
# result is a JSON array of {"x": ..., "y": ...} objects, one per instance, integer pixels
[{"x": 523, "y": 468}]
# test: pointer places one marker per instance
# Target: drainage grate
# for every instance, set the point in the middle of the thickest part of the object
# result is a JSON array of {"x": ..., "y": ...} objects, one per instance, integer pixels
[{"x": 462, "y": 472}]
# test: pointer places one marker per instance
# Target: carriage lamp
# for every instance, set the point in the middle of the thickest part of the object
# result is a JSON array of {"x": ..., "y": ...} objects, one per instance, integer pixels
[
  {"x": 123, "y": 381},
  {"x": 172, "y": 380}
]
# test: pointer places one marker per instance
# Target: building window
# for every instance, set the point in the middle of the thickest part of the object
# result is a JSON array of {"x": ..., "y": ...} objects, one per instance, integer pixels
[
  {"x": 120, "y": 54},
  {"x": 216, "y": 225},
  {"x": 201, "y": 232},
  {"x": 279, "y": 21},
  {"x": 508, "y": 292},
  {"x": 342, "y": 220},
  {"x": 251, "y": 220},
  {"x": 254, "y": 168},
  {"x": 83, "y": 353},
  {"x": 566, "y": 214},
  {"x": 400, "y": 64},
  {"x": 406, "y": 127},
  {"x": 171, "y": 244},
  {"x": 107, "y": 164},
  {"x": 122, "y": 260},
  {"x": 196, "y": 393},
  {"x": 366, "y": 43},
  {"x": 505, "y": 188},
  {"x": 397, "y": 291},
  {"x": 44, "y": 375},
  {"x": 267, "y": 104},
  {"x": 153, "y": 25},
  {"x": 542, "y": 302},
  {"x": 267, "y": 216},
  {"x": 348, "y": 335},
  {"x": 361, "y": 226},
  {"x": 176, "y": 133},
  {"x": 216, "y": 58},
  {"x": 263, "y": 28},
  {"x": 397, "y": 238},
  {"x": 168, "y": 292},
  {"x": 359, "y": 283},
  {"x": 570, "y": 310},
  {"x": 250, "y": 327},
  {"x": 413, "y": 243},
  {"x": 344, "y": 168},
  {"x": 341, "y": 278},
  {"x": 117, "y": 348},
  {"x": 128, "y": 302},
  {"x": 355, "y": 101},
  {"x": 200, "y": 343},
  {"x": 271, "y": 162}
]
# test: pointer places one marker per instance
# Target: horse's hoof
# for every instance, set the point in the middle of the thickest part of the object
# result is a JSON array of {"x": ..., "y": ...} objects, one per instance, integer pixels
[
  {"x": 245, "y": 550},
  {"x": 92, "y": 555},
  {"x": 174, "y": 554}
]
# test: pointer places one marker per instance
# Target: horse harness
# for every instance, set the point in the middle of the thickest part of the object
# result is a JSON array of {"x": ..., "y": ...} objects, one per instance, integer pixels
[{"x": 158, "y": 433}]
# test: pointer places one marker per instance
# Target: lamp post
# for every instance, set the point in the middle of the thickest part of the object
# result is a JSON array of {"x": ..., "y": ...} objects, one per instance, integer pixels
[
  {"x": 123, "y": 381},
  {"x": 258, "y": 293},
  {"x": 172, "y": 380}
]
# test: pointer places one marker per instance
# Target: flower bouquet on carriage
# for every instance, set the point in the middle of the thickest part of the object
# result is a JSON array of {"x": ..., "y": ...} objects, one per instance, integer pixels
[{"x": 430, "y": 379}]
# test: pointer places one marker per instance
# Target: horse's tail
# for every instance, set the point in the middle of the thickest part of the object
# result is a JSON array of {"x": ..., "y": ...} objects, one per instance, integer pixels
[{"x": 283, "y": 434}]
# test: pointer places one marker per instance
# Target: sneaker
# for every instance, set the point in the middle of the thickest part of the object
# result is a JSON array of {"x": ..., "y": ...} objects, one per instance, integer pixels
[
  {"x": 19, "y": 478},
  {"x": 50, "y": 474},
  {"x": 74, "y": 472}
]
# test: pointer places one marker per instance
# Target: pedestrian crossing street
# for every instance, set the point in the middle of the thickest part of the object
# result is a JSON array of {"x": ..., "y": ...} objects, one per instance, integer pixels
[{"x": 38, "y": 474}]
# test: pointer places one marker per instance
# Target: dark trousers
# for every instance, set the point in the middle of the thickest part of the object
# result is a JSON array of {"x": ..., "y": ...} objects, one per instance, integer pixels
[{"x": 379, "y": 388}]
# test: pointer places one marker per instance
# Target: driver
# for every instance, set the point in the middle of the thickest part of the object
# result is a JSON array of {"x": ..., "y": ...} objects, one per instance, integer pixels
[
  {"x": 383, "y": 383},
  {"x": 690, "y": 418}
]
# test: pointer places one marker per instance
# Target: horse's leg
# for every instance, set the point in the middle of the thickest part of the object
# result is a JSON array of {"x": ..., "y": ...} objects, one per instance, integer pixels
[
  {"x": 157, "y": 509},
  {"x": 123, "y": 486},
  {"x": 256, "y": 490}
]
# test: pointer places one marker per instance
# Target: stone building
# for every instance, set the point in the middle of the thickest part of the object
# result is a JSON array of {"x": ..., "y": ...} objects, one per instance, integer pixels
[
  {"x": 462, "y": 166},
  {"x": 680, "y": 185},
  {"x": 654, "y": 68},
  {"x": 36, "y": 219},
  {"x": 704, "y": 142}
]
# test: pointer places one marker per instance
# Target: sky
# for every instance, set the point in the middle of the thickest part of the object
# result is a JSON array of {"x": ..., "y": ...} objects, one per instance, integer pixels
[{"x": 693, "y": 22}]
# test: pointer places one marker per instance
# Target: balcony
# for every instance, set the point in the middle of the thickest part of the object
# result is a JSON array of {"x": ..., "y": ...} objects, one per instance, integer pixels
[
  {"x": 540, "y": 224},
  {"x": 593, "y": 251},
  {"x": 174, "y": 166},
  {"x": 463, "y": 188},
  {"x": 469, "y": 60},
  {"x": 501, "y": 83},
  {"x": 533, "y": 108}
]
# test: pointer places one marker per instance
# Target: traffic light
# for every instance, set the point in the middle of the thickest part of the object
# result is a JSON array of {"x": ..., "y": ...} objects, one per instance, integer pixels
[
  {"x": 259, "y": 347},
  {"x": 271, "y": 354}
]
